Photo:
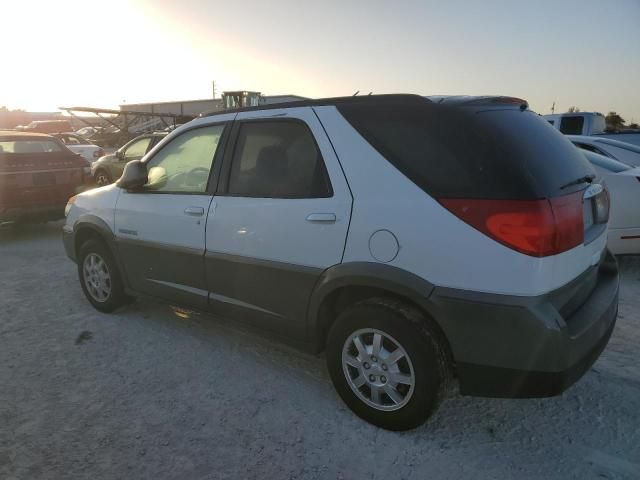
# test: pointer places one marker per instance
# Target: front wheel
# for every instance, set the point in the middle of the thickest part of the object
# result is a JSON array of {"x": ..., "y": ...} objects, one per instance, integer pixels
[
  {"x": 100, "y": 277},
  {"x": 387, "y": 364}
]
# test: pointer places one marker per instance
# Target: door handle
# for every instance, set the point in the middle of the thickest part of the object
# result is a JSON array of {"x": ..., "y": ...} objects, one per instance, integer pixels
[
  {"x": 194, "y": 211},
  {"x": 321, "y": 217}
]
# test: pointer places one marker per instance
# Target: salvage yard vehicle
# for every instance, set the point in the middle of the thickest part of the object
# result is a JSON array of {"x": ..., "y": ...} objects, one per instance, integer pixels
[
  {"x": 38, "y": 174},
  {"x": 412, "y": 240},
  {"x": 81, "y": 146},
  {"x": 47, "y": 126},
  {"x": 110, "y": 167},
  {"x": 623, "y": 183},
  {"x": 620, "y": 151},
  {"x": 590, "y": 124}
]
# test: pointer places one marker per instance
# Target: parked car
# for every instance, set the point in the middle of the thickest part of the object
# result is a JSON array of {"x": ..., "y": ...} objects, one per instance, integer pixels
[
  {"x": 48, "y": 126},
  {"x": 38, "y": 174},
  {"x": 88, "y": 132},
  {"x": 411, "y": 240},
  {"x": 590, "y": 124},
  {"x": 81, "y": 146},
  {"x": 623, "y": 152},
  {"x": 109, "y": 168},
  {"x": 623, "y": 183}
]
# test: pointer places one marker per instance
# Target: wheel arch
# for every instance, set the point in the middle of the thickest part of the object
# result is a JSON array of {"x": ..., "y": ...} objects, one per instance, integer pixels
[{"x": 348, "y": 283}]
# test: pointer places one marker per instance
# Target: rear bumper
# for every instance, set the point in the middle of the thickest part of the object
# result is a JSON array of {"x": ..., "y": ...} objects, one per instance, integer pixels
[
  {"x": 32, "y": 213},
  {"x": 524, "y": 347}
]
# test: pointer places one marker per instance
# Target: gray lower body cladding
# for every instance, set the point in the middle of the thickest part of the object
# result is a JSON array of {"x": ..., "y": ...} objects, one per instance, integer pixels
[{"x": 522, "y": 347}]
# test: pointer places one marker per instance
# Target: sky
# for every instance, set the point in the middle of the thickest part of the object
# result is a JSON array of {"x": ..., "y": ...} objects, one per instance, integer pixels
[{"x": 583, "y": 53}]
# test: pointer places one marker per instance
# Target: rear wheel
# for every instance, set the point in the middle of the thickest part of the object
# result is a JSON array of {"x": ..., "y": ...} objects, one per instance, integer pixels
[
  {"x": 102, "y": 178},
  {"x": 99, "y": 276},
  {"x": 387, "y": 364}
]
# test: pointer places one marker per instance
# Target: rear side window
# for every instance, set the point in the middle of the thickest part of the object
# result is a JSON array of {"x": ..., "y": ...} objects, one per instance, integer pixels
[
  {"x": 29, "y": 146},
  {"x": 571, "y": 125},
  {"x": 277, "y": 159},
  {"x": 463, "y": 152}
]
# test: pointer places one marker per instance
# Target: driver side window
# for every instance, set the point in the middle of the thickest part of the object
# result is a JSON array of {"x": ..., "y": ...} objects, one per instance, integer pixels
[
  {"x": 136, "y": 150},
  {"x": 183, "y": 165}
]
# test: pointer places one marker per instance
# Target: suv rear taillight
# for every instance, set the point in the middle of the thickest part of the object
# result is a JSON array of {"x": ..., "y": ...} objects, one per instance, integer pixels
[{"x": 534, "y": 227}]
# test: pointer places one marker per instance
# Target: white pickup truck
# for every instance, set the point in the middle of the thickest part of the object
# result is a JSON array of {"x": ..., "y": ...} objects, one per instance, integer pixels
[{"x": 589, "y": 123}]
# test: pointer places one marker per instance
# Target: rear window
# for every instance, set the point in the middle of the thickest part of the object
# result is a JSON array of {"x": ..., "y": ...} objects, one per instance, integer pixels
[
  {"x": 459, "y": 152},
  {"x": 29, "y": 146},
  {"x": 571, "y": 125}
]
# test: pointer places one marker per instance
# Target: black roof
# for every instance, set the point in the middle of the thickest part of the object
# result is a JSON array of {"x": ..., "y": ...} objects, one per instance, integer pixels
[{"x": 395, "y": 98}]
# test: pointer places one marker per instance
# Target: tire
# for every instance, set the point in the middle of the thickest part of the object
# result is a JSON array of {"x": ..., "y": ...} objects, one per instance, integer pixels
[
  {"x": 105, "y": 291},
  {"x": 102, "y": 178},
  {"x": 425, "y": 366}
]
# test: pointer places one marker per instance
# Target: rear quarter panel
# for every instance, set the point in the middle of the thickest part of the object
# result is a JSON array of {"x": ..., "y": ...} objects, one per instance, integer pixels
[{"x": 433, "y": 243}]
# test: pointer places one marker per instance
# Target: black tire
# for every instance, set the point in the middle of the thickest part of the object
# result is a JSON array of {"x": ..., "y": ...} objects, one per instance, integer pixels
[
  {"x": 423, "y": 345},
  {"x": 116, "y": 297},
  {"x": 102, "y": 177}
]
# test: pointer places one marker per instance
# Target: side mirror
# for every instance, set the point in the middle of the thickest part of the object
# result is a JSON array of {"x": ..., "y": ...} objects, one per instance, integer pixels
[
  {"x": 119, "y": 155},
  {"x": 134, "y": 176}
]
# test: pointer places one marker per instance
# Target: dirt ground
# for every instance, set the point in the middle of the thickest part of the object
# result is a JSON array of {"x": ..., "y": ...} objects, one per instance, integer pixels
[{"x": 148, "y": 393}]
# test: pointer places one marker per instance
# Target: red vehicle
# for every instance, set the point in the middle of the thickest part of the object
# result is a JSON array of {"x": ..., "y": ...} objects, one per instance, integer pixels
[{"x": 38, "y": 174}]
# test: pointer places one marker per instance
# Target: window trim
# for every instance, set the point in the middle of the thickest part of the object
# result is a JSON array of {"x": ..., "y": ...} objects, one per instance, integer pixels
[
  {"x": 214, "y": 171},
  {"x": 225, "y": 174}
]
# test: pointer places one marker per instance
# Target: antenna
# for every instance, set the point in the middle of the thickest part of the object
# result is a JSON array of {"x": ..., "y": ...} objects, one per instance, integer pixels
[{"x": 357, "y": 92}]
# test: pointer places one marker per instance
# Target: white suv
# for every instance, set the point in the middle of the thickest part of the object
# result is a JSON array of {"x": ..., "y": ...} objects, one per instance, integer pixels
[{"x": 413, "y": 239}]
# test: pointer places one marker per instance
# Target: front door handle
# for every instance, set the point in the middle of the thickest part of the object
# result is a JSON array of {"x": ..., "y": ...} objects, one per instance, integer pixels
[
  {"x": 321, "y": 217},
  {"x": 194, "y": 211}
]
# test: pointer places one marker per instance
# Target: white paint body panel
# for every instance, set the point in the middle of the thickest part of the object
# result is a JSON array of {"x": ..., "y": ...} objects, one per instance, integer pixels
[
  {"x": 624, "y": 219},
  {"x": 434, "y": 243},
  {"x": 100, "y": 202},
  {"x": 160, "y": 218},
  {"x": 86, "y": 151},
  {"x": 277, "y": 229}
]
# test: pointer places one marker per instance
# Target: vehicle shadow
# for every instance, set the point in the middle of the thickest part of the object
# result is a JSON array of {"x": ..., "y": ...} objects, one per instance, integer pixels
[{"x": 20, "y": 232}]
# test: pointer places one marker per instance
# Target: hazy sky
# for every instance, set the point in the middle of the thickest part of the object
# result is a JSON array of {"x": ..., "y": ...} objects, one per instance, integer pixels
[{"x": 101, "y": 53}]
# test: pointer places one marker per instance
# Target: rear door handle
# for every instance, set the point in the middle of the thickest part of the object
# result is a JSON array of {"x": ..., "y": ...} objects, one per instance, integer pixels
[
  {"x": 194, "y": 211},
  {"x": 321, "y": 217}
]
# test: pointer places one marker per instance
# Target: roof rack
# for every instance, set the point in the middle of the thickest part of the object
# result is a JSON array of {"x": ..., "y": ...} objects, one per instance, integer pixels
[{"x": 405, "y": 98}]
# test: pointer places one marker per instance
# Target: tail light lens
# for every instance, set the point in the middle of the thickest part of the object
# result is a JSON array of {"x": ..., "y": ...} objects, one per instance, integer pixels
[
  {"x": 98, "y": 153},
  {"x": 534, "y": 227}
]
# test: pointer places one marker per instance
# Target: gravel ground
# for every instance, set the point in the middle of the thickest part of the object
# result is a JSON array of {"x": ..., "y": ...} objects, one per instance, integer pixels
[{"x": 154, "y": 393}]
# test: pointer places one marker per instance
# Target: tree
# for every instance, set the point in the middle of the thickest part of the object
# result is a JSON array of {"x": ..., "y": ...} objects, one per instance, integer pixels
[
  {"x": 573, "y": 110},
  {"x": 634, "y": 125},
  {"x": 614, "y": 121}
]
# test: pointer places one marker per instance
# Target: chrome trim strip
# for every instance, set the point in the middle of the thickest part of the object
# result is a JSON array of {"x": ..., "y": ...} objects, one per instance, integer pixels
[
  {"x": 240, "y": 303},
  {"x": 179, "y": 286}
]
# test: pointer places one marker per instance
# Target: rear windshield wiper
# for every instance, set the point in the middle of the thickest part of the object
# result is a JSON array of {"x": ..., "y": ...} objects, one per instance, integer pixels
[{"x": 578, "y": 181}]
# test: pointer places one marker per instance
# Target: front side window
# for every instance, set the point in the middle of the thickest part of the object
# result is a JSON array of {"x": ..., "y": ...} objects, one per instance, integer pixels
[
  {"x": 137, "y": 149},
  {"x": 277, "y": 159},
  {"x": 184, "y": 164},
  {"x": 590, "y": 148}
]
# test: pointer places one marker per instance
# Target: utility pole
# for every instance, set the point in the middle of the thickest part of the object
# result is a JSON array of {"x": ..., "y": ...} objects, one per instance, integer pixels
[
  {"x": 213, "y": 85},
  {"x": 553, "y": 108}
]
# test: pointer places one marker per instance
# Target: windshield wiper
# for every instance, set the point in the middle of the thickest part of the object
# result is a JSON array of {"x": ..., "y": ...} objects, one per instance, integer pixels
[{"x": 578, "y": 181}]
